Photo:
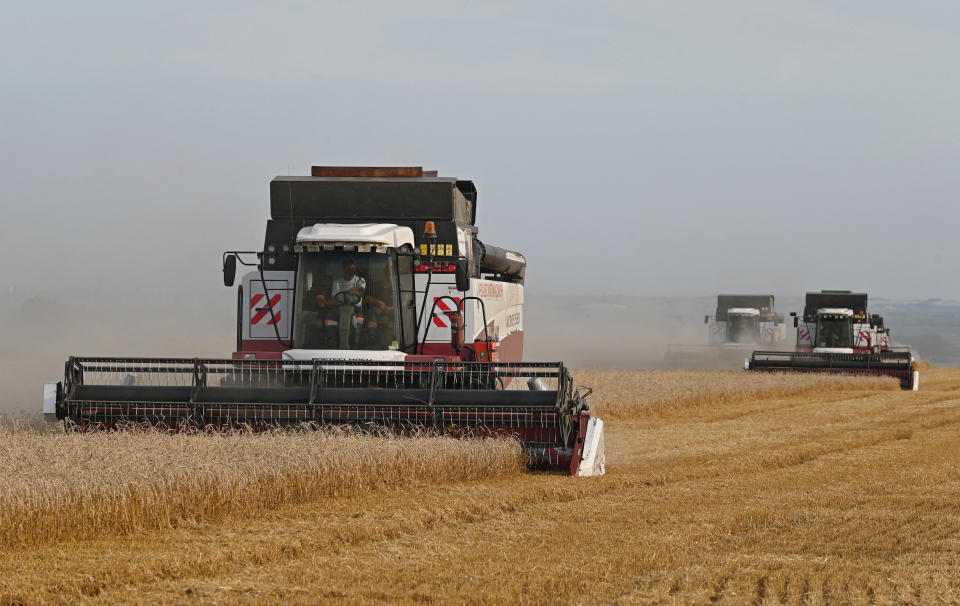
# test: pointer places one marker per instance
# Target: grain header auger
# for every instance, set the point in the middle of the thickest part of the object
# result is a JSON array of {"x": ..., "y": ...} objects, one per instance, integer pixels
[
  {"x": 836, "y": 334},
  {"x": 740, "y": 324},
  {"x": 374, "y": 304}
]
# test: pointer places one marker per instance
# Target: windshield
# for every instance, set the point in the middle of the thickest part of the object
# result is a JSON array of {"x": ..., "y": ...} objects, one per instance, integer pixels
[
  {"x": 743, "y": 329},
  {"x": 347, "y": 300},
  {"x": 834, "y": 332}
]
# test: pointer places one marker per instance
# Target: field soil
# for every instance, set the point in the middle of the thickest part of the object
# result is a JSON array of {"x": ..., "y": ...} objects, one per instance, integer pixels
[{"x": 828, "y": 494}]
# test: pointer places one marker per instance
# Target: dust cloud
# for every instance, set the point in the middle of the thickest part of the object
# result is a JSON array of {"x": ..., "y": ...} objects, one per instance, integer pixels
[
  {"x": 612, "y": 332},
  {"x": 40, "y": 331}
]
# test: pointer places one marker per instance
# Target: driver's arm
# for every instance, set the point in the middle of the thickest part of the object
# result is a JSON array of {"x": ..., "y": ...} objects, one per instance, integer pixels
[{"x": 360, "y": 289}]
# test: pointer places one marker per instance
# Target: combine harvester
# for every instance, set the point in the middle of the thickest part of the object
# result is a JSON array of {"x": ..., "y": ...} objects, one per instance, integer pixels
[
  {"x": 741, "y": 323},
  {"x": 372, "y": 304},
  {"x": 836, "y": 334}
]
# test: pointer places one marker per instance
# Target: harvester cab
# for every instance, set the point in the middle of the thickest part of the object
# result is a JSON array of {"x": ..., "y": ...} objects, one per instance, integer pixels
[
  {"x": 743, "y": 325},
  {"x": 373, "y": 302},
  {"x": 746, "y": 320},
  {"x": 836, "y": 334},
  {"x": 833, "y": 331}
]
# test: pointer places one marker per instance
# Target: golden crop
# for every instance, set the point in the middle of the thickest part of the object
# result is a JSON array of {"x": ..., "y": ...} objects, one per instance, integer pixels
[{"x": 56, "y": 486}]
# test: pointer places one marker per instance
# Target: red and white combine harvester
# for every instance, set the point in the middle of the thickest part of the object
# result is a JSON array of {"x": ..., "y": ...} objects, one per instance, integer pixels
[
  {"x": 372, "y": 303},
  {"x": 836, "y": 334},
  {"x": 741, "y": 323}
]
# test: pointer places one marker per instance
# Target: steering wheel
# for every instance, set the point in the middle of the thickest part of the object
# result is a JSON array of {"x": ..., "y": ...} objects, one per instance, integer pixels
[{"x": 345, "y": 298}]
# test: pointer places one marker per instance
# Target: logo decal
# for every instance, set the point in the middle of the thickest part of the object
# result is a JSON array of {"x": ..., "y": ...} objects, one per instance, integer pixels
[{"x": 490, "y": 290}]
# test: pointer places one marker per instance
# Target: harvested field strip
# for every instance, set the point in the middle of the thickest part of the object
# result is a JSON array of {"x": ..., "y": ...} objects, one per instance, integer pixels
[
  {"x": 628, "y": 394},
  {"x": 56, "y": 487}
]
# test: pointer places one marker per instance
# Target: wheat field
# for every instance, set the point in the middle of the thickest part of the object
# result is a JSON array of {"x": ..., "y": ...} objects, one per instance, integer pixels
[{"x": 800, "y": 490}]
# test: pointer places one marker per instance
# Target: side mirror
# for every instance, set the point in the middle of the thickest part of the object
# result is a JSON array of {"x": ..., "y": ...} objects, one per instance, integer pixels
[
  {"x": 229, "y": 270},
  {"x": 462, "y": 276}
]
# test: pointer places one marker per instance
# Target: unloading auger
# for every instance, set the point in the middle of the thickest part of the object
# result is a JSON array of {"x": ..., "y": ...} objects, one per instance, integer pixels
[{"x": 372, "y": 304}]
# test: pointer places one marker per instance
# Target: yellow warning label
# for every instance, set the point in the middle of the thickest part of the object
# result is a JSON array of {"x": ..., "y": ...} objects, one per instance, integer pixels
[{"x": 439, "y": 250}]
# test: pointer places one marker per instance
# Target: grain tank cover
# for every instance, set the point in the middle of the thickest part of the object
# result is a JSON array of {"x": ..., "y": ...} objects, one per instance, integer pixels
[
  {"x": 857, "y": 301},
  {"x": 404, "y": 196},
  {"x": 373, "y": 199}
]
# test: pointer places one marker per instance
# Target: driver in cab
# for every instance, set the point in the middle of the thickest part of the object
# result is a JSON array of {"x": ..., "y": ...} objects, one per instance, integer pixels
[
  {"x": 347, "y": 295},
  {"x": 347, "y": 290}
]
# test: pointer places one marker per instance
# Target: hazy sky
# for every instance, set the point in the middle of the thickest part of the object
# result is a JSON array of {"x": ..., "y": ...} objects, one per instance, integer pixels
[{"x": 637, "y": 148}]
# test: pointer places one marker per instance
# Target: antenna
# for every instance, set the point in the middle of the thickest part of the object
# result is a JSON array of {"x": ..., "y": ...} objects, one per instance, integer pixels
[{"x": 290, "y": 198}]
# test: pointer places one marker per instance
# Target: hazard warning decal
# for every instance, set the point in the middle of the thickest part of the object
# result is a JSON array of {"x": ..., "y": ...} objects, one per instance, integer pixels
[
  {"x": 268, "y": 310},
  {"x": 257, "y": 314},
  {"x": 443, "y": 305}
]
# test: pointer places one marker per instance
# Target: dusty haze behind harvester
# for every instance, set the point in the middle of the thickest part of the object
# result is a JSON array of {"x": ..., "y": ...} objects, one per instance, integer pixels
[
  {"x": 741, "y": 324},
  {"x": 373, "y": 302}
]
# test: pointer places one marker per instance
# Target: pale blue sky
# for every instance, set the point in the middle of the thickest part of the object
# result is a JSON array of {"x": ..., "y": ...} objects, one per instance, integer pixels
[{"x": 637, "y": 148}]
